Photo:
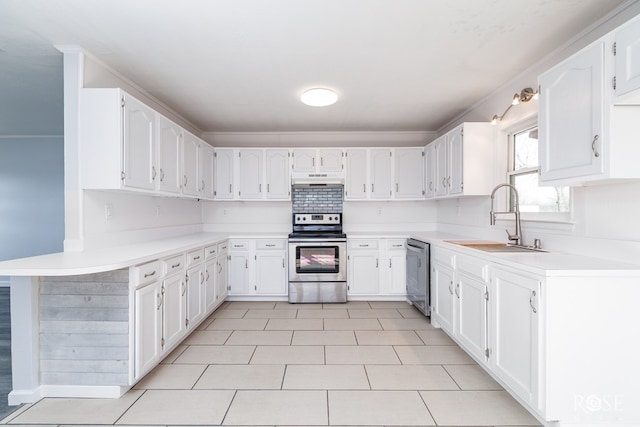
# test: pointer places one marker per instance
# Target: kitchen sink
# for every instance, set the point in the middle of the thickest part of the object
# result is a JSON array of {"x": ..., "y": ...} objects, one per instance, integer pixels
[{"x": 494, "y": 246}]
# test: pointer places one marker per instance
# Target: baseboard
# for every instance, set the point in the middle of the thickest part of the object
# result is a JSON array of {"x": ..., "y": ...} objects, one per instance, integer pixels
[{"x": 17, "y": 397}]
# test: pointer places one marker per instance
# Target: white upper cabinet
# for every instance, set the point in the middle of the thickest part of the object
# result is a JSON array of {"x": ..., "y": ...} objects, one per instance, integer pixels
[
  {"x": 571, "y": 130},
  {"x": 430, "y": 171},
  {"x": 224, "y": 173},
  {"x": 139, "y": 143},
  {"x": 250, "y": 173},
  {"x": 464, "y": 161},
  {"x": 627, "y": 62},
  {"x": 190, "y": 165},
  {"x": 380, "y": 162},
  {"x": 331, "y": 160},
  {"x": 311, "y": 160},
  {"x": 409, "y": 173},
  {"x": 206, "y": 171},
  {"x": 356, "y": 174},
  {"x": 277, "y": 174},
  {"x": 169, "y": 156}
]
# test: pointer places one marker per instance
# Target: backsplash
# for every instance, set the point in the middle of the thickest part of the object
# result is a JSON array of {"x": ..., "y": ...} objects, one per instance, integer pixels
[{"x": 317, "y": 198}]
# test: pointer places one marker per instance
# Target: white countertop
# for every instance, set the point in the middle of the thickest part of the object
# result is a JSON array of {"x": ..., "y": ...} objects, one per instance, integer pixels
[
  {"x": 99, "y": 260},
  {"x": 108, "y": 259}
]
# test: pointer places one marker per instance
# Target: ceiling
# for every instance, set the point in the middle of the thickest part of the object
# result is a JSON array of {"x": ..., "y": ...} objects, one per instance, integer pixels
[{"x": 241, "y": 65}]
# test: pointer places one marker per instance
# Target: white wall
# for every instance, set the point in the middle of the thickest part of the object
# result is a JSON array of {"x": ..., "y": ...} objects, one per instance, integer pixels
[
  {"x": 31, "y": 196},
  {"x": 604, "y": 222},
  {"x": 275, "y": 217}
]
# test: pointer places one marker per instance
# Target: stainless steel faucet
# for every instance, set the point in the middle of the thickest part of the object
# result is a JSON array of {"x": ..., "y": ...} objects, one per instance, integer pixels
[{"x": 516, "y": 237}]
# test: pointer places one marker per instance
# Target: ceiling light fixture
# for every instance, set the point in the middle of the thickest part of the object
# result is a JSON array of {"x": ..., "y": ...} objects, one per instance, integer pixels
[
  {"x": 319, "y": 97},
  {"x": 525, "y": 95}
]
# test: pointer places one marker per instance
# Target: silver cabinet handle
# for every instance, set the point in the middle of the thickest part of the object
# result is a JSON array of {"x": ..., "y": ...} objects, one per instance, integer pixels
[
  {"x": 268, "y": 188},
  {"x": 444, "y": 181},
  {"x": 397, "y": 187},
  {"x": 153, "y": 173},
  {"x": 449, "y": 181},
  {"x": 161, "y": 174},
  {"x": 372, "y": 188},
  {"x": 184, "y": 288},
  {"x": 389, "y": 262},
  {"x": 283, "y": 263},
  {"x": 195, "y": 258},
  {"x": 458, "y": 290},
  {"x": 364, "y": 188},
  {"x": 159, "y": 297},
  {"x": 430, "y": 185},
  {"x": 533, "y": 308},
  {"x": 175, "y": 265},
  {"x": 203, "y": 185},
  {"x": 593, "y": 146},
  {"x": 321, "y": 161},
  {"x": 149, "y": 274},
  {"x": 450, "y": 289},
  {"x": 201, "y": 278},
  {"x": 259, "y": 188},
  {"x": 208, "y": 276},
  {"x": 377, "y": 261},
  {"x": 246, "y": 263},
  {"x": 219, "y": 268}
]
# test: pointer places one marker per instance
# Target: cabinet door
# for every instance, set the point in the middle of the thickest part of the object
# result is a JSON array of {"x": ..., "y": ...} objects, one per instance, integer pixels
[
  {"x": 396, "y": 282},
  {"x": 331, "y": 160},
  {"x": 442, "y": 299},
  {"x": 239, "y": 274},
  {"x": 409, "y": 173},
  {"x": 148, "y": 328},
  {"x": 571, "y": 107},
  {"x": 514, "y": 331},
  {"x": 364, "y": 273},
  {"x": 356, "y": 175},
  {"x": 277, "y": 169},
  {"x": 206, "y": 170},
  {"x": 271, "y": 276},
  {"x": 628, "y": 59},
  {"x": 195, "y": 295},
  {"x": 250, "y": 174},
  {"x": 169, "y": 156},
  {"x": 210, "y": 285},
  {"x": 430, "y": 171},
  {"x": 224, "y": 173},
  {"x": 222, "y": 285},
  {"x": 380, "y": 162},
  {"x": 441, "y": 149},
  {"x": 471, "y": 327},
  {"x": 139, "y": 141},
  {"x": 304, "y": 160},
  {"x": 190, "y": 165},
  {"x": 455, "y": 141},
  {"x": 175, "y": 309}
]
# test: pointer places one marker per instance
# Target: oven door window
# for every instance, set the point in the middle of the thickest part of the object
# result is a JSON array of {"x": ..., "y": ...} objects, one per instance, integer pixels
[{"x": 317, "y": 259}]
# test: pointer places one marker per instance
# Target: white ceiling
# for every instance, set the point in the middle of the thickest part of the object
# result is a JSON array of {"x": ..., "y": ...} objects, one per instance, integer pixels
[{"x": 240, "y": 65}]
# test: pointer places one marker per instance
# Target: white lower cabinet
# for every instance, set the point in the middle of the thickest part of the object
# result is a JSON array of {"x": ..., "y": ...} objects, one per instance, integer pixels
[
  {"x": 258, "y": 267},
  {"x": 442, "y": 296},
  {"x": 471, "y": 327},
  {"x": 170, "y": 300},
  {"x": 376, "y": 268},
  {"x": 148, "y": 334},
  {"x": 515, "y": 331}
]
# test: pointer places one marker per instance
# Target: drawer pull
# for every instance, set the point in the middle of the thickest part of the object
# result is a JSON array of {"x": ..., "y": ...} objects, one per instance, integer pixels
[
  {"x": 150, "y": 274},
  {"x": 195, "y": 258},
  {"x": 270, "y": 245},
  {"x": 175, "y": 265}
]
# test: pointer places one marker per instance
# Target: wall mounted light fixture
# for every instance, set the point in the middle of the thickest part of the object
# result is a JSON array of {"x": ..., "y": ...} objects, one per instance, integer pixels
[{"x": 525, "y": 95}]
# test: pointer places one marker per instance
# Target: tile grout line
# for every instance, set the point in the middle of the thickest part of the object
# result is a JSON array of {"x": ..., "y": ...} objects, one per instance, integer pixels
[{"x": 129, "y": 407}]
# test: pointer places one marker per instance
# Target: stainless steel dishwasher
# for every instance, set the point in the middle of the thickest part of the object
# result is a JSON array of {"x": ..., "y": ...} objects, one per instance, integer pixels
[{"x": 418, "y": 288}]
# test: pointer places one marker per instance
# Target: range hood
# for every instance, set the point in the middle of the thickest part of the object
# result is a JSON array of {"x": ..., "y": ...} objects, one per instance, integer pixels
[{"x": 325, "y": 178}]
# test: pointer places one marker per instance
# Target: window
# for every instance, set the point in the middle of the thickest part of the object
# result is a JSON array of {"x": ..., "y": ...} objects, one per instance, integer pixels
[{"x": 523, "y": 174}]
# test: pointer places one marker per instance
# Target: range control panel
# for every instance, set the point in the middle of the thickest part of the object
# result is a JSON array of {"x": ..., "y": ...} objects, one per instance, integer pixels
[{"x": 314, "y": 218}]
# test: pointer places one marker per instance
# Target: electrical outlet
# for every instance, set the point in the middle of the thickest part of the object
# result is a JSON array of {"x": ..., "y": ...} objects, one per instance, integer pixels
[{"x": 108, "y": 211}]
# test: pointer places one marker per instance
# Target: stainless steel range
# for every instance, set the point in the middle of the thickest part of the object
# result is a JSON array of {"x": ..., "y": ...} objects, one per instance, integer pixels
[{"x": 317, "y": 259}]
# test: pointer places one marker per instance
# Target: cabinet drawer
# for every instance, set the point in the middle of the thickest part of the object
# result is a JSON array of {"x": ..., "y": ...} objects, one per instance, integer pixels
[
  {"x": 473, "y": 267},
  {"x": 363, "y": 244},
  {"x": 222, "y": 247},
  {"x": 211, "y": 251},
  {"x": 263, "y": 244},
  {"x": 444, "y": 256},
  {"x": 147, "y": 273},
  {"x": 195, "y": 257},
  {"x": 173, "y": 264},
  {"x": 396, "y": 244},
  {"x": 239, "y": 245}
]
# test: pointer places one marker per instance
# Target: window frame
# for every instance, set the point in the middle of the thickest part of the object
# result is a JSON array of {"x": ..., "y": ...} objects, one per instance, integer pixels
[{"x": 558, "y": 217}]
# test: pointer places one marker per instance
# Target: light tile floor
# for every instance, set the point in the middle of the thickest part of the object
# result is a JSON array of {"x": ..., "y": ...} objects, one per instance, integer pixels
[{"x": 276, "y": 364}]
